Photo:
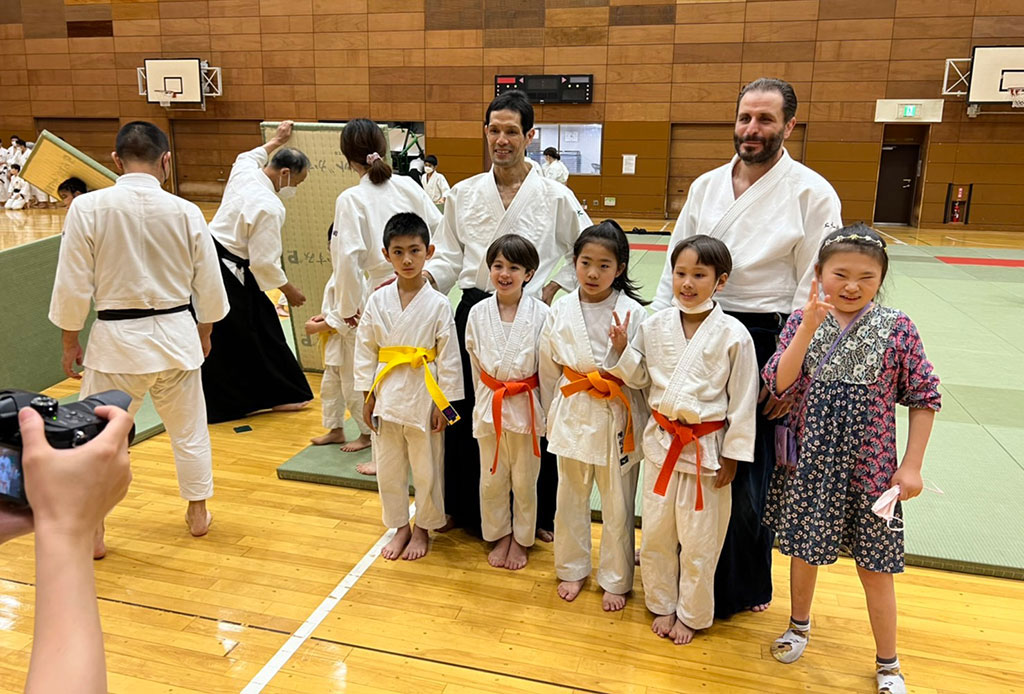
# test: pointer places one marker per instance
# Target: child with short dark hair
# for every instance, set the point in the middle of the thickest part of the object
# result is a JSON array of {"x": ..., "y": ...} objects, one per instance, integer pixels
[
  {"x": 407, "y": 366},
  {"x": 699, "y": 367},
  {"x": 502, "y": 335}
]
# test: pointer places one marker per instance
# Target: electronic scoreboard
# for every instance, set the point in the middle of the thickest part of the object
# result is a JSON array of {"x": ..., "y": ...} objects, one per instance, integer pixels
[{"x": 549, "y": 89}]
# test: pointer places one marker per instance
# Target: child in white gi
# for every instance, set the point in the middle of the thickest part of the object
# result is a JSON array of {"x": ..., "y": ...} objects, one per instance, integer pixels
[
  {"x": 592, "y": 415},
  {"x": 337, "y": 392},
  {"x": 502, "y": 335},
  {"x": 700, "y": 367},
  {"x": 16, "y": 189},
  {"x": 408, "y": 367}
]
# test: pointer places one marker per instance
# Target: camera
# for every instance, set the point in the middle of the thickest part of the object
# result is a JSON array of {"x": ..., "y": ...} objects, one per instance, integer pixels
[{"x": 66, "y": 426}]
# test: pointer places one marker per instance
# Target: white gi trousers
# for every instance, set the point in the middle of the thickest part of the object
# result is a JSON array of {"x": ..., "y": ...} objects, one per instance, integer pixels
[
  {"x": 178, "y": 397},
  {"x": 618, "y": 532},
  {"x": 680, "y": 546},
  {"x": 396, "y": 448},
  {"x": 337, "y": 389},
  {"x": 518, "y": 469},
  {"x": 16, "y": 202}
]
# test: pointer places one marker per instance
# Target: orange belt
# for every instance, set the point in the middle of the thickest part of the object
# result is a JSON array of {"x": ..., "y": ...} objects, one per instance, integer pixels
[
  {"x": 682, "y": 436},
  {"x": 603, "y": 387},
  {"x": 501, "y": 389}
]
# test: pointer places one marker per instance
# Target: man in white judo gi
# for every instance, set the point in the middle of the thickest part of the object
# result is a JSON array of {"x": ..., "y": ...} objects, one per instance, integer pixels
[
  {"x": 512, "y": 198},
  {"x": 772, "y": 212},
  {"x": 142, "y": 255},
  {"x": 252, "y": 367}
]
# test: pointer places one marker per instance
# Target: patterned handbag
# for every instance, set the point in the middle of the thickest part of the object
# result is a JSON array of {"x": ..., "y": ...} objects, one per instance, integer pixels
[{"x": 786, "y": 450}]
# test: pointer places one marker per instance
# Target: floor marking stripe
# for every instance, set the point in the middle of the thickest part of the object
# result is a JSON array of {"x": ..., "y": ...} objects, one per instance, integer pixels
[
  {"x": 992, "y": 262},
  {"x": 647, "y": 247},
  {"x": 666, "y": 225},
  {"x": 898, "y": 241},
  {"x": 284, "y": 654}
]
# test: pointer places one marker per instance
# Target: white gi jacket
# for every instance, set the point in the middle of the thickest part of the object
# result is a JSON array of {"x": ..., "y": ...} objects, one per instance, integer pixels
[
  {"x": 334, "y": 348},
  {"x": 360, "y": 214},
  {"x": 582, "y": 427},
  {"x": 542, "y": 211},
  {"x": 134, "y": 245},
  {"x": 436, "y": 186},
  {"x": 557, "y": 171},
  {"x": 773, "y": 231},
  {"x": 427, "y": 322},
  {"x": 512, "y": 359},
  {"x": 249, "y": 220},
  {"x": 711, "y": 377}
]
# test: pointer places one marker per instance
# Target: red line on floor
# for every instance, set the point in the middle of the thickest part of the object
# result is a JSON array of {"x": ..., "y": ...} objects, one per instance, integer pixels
[
  {"x": 994, "y": 262},
  {"x": 648, "y": 247}
]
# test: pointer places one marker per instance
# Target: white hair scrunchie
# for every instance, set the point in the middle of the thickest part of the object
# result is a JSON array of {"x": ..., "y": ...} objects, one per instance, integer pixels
[{"x": 371, "y": 157}]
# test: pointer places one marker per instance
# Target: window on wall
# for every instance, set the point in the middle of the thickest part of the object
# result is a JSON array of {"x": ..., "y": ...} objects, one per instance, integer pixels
[{"x": 579, "y": 145}]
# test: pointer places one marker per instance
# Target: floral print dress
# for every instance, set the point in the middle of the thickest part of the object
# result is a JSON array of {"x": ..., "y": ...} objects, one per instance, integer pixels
[{"x": 845, "y": 426}]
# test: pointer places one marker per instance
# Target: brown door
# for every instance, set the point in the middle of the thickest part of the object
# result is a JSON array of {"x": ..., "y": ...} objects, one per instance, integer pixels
[{"x": 897, "y": 183}]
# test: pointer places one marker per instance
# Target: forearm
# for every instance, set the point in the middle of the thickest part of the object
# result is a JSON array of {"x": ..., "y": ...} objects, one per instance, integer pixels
[
  {"x": 69, "y": 338},
  {"x": 918, "y": 432},
  {"x": 67, "y": 651},
  {"x": 792, "y": 360}
]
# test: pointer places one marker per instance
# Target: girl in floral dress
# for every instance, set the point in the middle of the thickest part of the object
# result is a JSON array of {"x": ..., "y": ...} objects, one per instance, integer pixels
[{"x": 848, "y": 362}]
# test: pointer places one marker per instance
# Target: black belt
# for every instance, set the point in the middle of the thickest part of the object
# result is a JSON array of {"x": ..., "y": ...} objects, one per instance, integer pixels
[
  {"x": 225, "y": 254},
  {"x": 130, "y": 313},
  {"x": 761, "y": 321}
]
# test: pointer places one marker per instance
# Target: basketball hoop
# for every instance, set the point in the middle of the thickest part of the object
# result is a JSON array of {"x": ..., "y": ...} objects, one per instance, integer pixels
[{"x": 1017, "y": 97}]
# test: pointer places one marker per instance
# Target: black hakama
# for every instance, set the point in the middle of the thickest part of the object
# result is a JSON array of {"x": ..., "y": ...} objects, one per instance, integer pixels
[{"x": 250, "y": 366}]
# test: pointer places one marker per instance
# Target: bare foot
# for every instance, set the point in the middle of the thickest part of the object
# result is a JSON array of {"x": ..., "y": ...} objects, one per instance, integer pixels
[
  {"x": 359, "y": 444},
  {"x": 636, "y": 560},
  {"x": 369, "y": 468},
  {"x": 449, "y": 524},
  {"x": 662, "y": 624},
  {"x": 680, "y": 634},
  {"x": 418, "y": 545},
  {"x": 613, "y": 602},
  {"x": 198, "y": 518},
  {"x": 290, "y": 407},
  {"x": 760, "y": 608},
  {"x": 99, "y": 547},
  {"x": 499, "y": 554},
  {"x": 282, "y": 311},
  {"x": 332, "y": 436},
  {"x": 394, "y": 549},
  {"x": 568, "y": 590},
  {"x": 516, "y": 556},
  {"x": 545, "y": 535}
]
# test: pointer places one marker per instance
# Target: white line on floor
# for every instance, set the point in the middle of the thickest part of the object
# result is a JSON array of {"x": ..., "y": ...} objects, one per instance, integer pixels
[
  {"x": 898, "y": 242},
  {"x": 284, "y": 654},
  {"x": 976, "y": 243},
  {"x": 666, "y": 225}
]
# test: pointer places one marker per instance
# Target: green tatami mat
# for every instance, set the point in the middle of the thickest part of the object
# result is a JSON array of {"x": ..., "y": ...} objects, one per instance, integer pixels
[
  {"x": 330, "y": 465},
  {"x": 147, "y": 421}
]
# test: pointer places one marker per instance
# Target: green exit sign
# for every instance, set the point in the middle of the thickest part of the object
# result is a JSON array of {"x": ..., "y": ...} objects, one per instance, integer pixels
[{"x": 908, "y": 110}]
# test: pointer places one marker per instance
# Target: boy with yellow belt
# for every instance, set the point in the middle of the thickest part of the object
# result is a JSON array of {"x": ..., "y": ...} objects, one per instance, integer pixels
[{"x": 407, "y": 366}]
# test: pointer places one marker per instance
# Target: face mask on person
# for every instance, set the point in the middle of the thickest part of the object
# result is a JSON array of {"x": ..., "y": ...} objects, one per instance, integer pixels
[
  {"x": 428, "y": 168},
  {"x": 286, "y": 191},
  {"x": 702, "y": 307}
]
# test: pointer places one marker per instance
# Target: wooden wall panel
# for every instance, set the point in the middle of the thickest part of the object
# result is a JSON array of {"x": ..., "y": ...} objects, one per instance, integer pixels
[{"x": 655, "y": 62}]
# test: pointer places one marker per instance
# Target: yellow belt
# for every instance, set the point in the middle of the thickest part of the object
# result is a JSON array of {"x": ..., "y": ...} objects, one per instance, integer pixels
[
  {"x": 416, "y": 357},
  {"x": 324, "y": 337}
]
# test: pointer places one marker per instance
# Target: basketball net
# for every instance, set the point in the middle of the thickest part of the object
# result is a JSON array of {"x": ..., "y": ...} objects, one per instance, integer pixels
[{"x": 1017, "y": 97}]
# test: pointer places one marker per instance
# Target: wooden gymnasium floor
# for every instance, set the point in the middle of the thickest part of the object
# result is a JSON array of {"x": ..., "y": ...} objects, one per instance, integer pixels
[{"x": 184, "y": 615}]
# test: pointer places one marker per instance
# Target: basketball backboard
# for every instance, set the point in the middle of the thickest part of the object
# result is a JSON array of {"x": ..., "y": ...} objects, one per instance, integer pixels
[
  {"x": 995, "y": 71},
  {"x": 173, "y": 81}
]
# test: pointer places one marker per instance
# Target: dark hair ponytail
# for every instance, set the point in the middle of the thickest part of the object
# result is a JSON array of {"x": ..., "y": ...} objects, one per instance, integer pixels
[
  {"x": 363, "y": 142},
  {"x": 610, "y": 235}
]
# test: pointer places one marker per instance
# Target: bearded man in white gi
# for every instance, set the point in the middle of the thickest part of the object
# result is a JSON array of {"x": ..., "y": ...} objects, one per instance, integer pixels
[
  {"x": 772, "y": 213},
  {"x": 252, "y": 367},
  {"x": 512, "y": 198},
  {"x": 142, "y": 254}
]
